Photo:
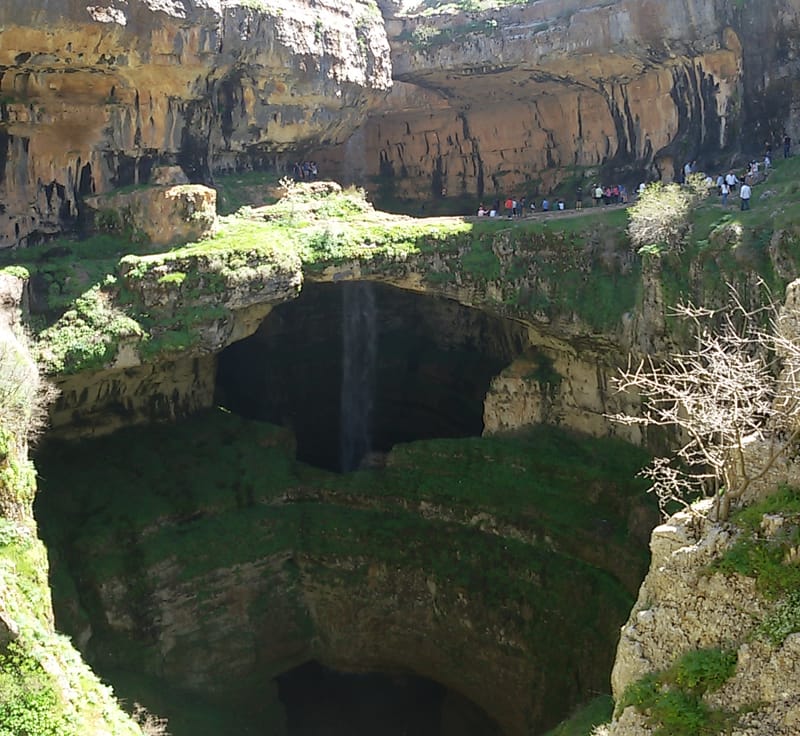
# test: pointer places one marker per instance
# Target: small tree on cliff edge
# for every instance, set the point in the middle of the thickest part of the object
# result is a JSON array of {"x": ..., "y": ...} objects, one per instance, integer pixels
[
  {"x": 738, "y": 386},
  {"x": 661, "y": 218}
]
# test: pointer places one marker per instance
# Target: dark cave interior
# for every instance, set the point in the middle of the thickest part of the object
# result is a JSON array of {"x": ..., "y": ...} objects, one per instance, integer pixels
[{"x": 418, "y": 366}]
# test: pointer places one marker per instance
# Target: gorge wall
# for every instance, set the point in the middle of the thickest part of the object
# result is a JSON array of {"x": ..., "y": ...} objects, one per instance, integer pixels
[
  {"x": 525, "y": 98},
  {"x": 219, "y": 563},
  {"x": 522, "y": 99},
  {"x": 92, "y": 97}
]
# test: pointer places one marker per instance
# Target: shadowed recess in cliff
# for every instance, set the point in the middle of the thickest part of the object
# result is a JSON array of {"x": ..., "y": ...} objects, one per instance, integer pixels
[
  {"x": 319, "y": 700},
  {"x": 202, "y": 556},
  {"x": 310, "y": 367}
]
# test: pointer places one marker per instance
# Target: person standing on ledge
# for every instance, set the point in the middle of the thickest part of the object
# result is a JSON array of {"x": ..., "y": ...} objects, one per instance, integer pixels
[{"x": 744, "y": 196}]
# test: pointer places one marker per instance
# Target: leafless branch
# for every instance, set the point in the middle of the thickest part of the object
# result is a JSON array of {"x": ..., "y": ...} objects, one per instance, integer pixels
[{"x": 739, "y": 384}]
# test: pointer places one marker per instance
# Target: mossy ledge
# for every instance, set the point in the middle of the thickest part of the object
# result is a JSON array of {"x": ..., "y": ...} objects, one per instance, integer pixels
[{"x": 110, "y": 303}]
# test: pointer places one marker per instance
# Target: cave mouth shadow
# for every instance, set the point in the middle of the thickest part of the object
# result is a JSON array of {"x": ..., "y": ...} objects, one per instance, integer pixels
[
  {"x": 319, "y": 701},
  {"x": 417, "y": 367}
]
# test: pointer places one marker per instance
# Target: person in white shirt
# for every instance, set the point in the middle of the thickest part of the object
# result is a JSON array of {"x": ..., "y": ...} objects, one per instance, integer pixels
[
  {"x": 744, "y": 196},
  {"x": 731, "y": 180}
]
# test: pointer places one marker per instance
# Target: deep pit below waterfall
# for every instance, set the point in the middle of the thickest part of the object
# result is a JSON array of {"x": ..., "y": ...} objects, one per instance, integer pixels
[
  {"x": 357, "y": 367},
  {"x": 218, "y": 570}
]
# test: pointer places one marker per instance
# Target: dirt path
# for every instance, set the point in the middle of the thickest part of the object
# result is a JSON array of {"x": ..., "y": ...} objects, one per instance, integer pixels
[{"x": 553, "y": 214}]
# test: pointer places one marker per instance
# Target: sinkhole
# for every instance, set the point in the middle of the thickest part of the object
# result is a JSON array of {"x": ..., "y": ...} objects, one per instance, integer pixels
[
  {"x": 354, "y": 368},
  {"x": 321, "y": 701}
]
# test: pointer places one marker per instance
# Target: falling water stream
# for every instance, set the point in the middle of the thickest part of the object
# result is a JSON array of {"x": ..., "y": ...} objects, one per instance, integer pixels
[{"x": 359, "y": 350}]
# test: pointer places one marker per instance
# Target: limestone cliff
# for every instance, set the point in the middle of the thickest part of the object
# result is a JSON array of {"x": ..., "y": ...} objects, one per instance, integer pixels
[
  {"x": 520, "y": 99},
  {"x": 93, "y": 96},
  {"x": 688, "y": 603},
  {"x": 525, "y": 98}
]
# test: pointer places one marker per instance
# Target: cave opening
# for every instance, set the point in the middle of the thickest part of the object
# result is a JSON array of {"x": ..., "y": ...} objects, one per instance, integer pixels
[
  {"x": 354, "y": 368},
  {"x": 321, "y": 701}
]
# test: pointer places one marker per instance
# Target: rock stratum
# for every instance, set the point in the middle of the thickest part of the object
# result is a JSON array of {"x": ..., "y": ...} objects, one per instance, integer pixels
[
  {"x": 522, "y": 99},
  {"x": 221, "y": 565},
  {"x": 94, "y": 95}
]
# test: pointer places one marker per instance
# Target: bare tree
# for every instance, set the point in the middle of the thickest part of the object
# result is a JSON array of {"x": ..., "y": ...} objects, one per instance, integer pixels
[{"x": 737, "y": 389}]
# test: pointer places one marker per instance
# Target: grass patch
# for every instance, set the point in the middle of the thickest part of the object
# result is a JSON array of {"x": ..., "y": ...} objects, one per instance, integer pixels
[
  {"x": 543, "y": 475},
  {"x": 672, "y": 700},
  {"x": 727, "y": 245},
  {"x": 767, "y": 559}
]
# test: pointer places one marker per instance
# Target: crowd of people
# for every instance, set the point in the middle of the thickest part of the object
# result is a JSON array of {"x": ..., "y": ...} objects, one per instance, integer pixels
[
  {"x": 305, "y": 170},
  {"x": 513, "y": 208},
  {"x": 727, "y": 186}
]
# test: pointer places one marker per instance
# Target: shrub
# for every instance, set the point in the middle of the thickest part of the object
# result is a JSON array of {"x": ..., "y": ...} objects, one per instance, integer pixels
[
  {"x": 24, "y": 394},
  {"x": 672, "y": 700},
  {"x": 29, "y": 705},
  {"x": 660, "y": 218}
]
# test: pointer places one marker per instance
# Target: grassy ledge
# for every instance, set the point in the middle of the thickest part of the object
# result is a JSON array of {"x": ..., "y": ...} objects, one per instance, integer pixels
[{"x": 93, "y": 295}]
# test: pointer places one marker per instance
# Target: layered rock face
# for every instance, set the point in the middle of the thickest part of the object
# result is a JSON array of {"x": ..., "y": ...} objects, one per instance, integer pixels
[
  {"x": 93, "y": 96},
  {"x": 525, "y": 98},
  {"x": 219, "y": 562},
  {"x": 510, "y": 101}
]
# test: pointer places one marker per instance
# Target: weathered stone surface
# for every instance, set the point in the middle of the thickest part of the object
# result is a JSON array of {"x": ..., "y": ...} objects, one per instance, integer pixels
[
  {"x": 163, "y": 214},
  {"x": 12, "y": 289},
  {"x": 94, "y": 96},
  {"x": 684, "y": 605},
  {"x": 226, "y": 594},
  {"x": 100, "y": 402},
  {"x": 520, "y": 99},
  {"x": 560, "y": 387}
]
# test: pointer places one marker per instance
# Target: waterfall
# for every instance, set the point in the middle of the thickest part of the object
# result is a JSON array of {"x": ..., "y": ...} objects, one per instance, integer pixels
[{"x": 359, "y": 347}]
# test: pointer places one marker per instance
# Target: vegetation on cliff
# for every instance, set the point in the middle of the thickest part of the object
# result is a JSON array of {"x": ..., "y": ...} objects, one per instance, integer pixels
[
  {"x": 45, "y": 688},
  {"x": 770, "y": 558},
  {"x": 91, "y": 296},
  {"x": 672, "y": 699}
]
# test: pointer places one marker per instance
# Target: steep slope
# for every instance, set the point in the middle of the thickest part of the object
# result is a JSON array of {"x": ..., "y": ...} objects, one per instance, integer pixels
[{"x": 45, "y": 687}]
